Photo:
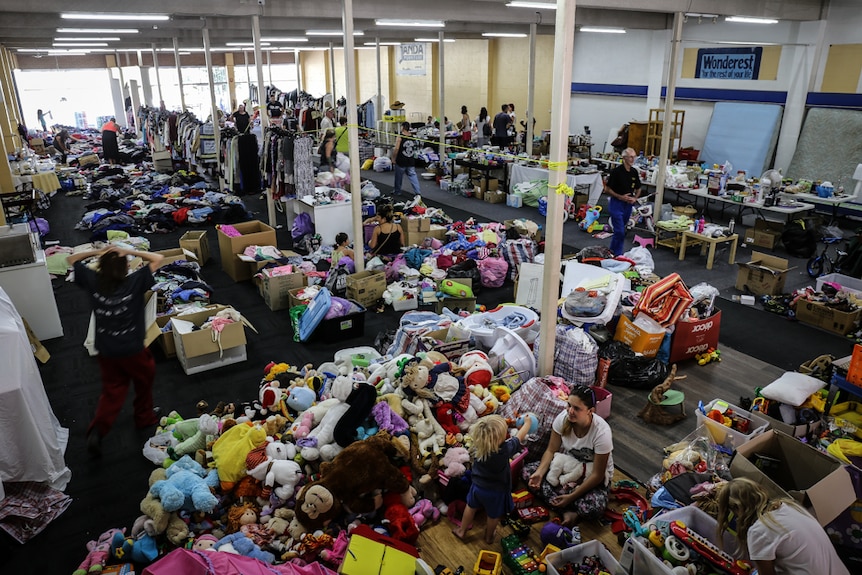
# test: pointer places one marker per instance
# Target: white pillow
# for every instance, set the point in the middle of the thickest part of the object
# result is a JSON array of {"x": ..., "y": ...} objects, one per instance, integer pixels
[{"x": 792, "y": 388}]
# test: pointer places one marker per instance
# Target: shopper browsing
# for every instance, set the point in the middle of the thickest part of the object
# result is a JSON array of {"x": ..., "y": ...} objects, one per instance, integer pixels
[
  {"x": 502, "y": 121},
  {"x": 624, "y": 188},
  {"x": 117, "y": 300},
  {"x": 328, "y": 120},
  {"x": 110, "y": 141},
  {"x": 777, "y": 534},
  {"x": 579, "y": 432},
  {"x": 327, "y": 151},
  {"x": 61, "y": 143},
  {"x": 491, "y": 487},
  {"x": 404, "y": 153},
  {"x": 483, "y": 127},
  {"x": 388, "y": 237},
  {"x": 274, "y": 108},
  {"x": 241, "y": 119}
]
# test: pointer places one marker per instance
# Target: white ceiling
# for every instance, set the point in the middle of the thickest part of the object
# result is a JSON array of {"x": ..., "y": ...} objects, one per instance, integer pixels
[{"x": 24, "y": 25}]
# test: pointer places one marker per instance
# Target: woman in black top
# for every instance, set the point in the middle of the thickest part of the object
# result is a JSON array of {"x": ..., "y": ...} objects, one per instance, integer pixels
[
  {"x": 61, "y": 144},
  {"x": 241, "y": 119},
  {"x": 388, "y": 237},
  {"x": 327, "y": 151}
]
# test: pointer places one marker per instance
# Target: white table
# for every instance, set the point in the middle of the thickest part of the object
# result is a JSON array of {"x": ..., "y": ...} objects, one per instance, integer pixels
[
  {"x": 519, "y": 173},
  {"x": 834, "y": 201},
  {"x": 785, "y": 210},
  {"x": 329, "y": 219},
  {"x": 32, "y": 442},
  {"x": 29, "y": 288}
]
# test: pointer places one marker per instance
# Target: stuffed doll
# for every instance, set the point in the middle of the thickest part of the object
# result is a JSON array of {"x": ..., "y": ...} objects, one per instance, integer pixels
[
  {"x": 205, "y": 542},
  {"x": 230, "y": 450},
  {"x": 478, "y": 369},
  {"x": 270, "y": 395},
  {"x": 388, "y": 420},
  {"x": 98, "y": 553},
  {"x": 424, "y": 511},
  {"x": 192, "y": 434},
  {"x": 320, "y": 442},
  {"x": 279, "y": 475},
  {"x": 239, "y": 544},
  {"x": 155, "y": 520},
  {"x": 566, "y": 470},
  {"x": 349, "y": 480},
  {"x": 399, "y": 520},
  {"x": 454, "y": 461}
]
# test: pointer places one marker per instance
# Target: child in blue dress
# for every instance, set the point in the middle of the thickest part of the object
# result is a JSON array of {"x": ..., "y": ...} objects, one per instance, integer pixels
[{"x": 492, "y": 479}]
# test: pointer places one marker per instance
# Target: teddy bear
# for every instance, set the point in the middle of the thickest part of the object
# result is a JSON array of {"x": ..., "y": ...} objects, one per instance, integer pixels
[
  {"x": 155, "y": 520},
  {"x": 141, "y": 550},
  {"x": 566, "y": 470},
  {"x": 280, "y": 475},
  {"x": 423, "y": 512},
  {"x": 99, "y": 551},
  {"x": 454, "y": 461},
  {"x": 187, "y": 485},
  {"x": 274, "y": 425},
  {"x": 349, "y": 480}
]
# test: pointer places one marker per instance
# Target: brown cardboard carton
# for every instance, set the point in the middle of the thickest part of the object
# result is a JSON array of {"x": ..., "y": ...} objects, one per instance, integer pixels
[
  {"x": 196, "y": 242},
  {"x": 764, "y": 234},
  {"x": 763, "y": 275},
  {"x": 820, "y": 315},
  {"x": 366, "y": 287},
  {"x": 275, "y": 290},
  {"x": 253, "y": 233}
]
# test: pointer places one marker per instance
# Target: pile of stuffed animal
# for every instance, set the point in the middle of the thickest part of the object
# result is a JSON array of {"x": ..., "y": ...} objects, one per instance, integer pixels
[{"x": 286, "y": 477}]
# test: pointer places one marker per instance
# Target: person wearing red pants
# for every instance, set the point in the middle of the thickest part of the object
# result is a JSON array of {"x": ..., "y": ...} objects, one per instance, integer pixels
[{"x": 117, "y": 299}]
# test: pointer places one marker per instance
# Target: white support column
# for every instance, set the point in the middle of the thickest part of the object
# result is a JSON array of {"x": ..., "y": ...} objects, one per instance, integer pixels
[
  {"x": 531, "y": 89},
  {"x": 179, "y": 73},
  {"x": 379, "y": 103},
  {"x": 561, "y": 97},
  {"x": 269, "y": 67},
  {"x": 258, "y": 61},
  {"x": 156, "y": 68},
  {"x": 125, "y": 121},
  {"x": 353, "y": 132},
  {"x": 332, "y": 71},
  {"x": 264, "y": 116},
  {"x": 214, "y": 107},
  {"x": 136, "y": 104},
  {"x": 298, "y": 71},
  {"x": 441, "y": 93},
  {"x": 668, "y": 127}
]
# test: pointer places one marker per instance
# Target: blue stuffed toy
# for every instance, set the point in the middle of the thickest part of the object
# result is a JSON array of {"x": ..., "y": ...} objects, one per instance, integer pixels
[
  {"x": 239, "y": 544},
  {"x": 188, "y": 486}
]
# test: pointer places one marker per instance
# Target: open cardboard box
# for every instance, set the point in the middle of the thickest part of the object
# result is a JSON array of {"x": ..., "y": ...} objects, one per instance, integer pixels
[
  {"x": 786, "y": 467},
  {"x": 253, "y": 233},
  {"x": 763, "y": 275},
  {"x": 764, "y": 234}
]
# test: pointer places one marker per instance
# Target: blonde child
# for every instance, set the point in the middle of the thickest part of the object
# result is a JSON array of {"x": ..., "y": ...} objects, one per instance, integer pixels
[{"x": 492, "y": 480}]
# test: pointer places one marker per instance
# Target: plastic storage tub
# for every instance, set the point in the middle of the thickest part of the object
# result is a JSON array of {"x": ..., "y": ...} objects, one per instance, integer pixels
[
  {"x": 482, "y": 325},
  {"x": 720, "y": 433},
  {"x": 847, "y": 283},
  {"x": 577, "y": 553},
  {"x": 578, "y": 274},
  {"x": 644, "y": 561}
]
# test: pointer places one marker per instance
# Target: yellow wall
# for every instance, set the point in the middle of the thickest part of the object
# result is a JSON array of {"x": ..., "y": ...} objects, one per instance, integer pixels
[
  {"x": 314, "y": 70},
  {"x": 465, "y": 77},
  {"x": 366, "y": 73},
  {"x": 509, "y": 61}
]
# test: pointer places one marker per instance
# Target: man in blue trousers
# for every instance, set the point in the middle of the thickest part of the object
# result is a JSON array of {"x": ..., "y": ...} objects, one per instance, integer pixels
[{"x": 624, "y": 188}]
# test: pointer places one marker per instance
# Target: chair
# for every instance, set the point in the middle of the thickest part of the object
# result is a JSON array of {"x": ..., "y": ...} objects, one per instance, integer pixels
[
  {"x": 661, "y": 397},
  {"x": 18, "y": 206},
  {"x": 644, "y": 242}
]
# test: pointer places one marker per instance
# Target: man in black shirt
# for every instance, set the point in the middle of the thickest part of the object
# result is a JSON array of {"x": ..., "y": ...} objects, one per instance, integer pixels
[
  {"x": 274, "y": 108},
  {"x": 502, "y": 121},
  {"x": 624, "y": 188}
]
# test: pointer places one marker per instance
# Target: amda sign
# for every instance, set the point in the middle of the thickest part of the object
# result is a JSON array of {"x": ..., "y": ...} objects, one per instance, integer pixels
[
  {"x": 411, "y": 59},
  {"x": 728, "y": 63}
]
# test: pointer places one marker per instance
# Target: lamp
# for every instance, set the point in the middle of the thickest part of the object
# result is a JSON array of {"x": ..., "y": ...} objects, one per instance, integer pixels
[{"x": 857, "y": 175}]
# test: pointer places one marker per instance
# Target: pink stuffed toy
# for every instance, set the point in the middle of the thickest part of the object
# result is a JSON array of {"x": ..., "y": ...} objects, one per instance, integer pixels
[
  {"x": 424, "y": 511},
  {"x": 305, "y": 425},
  {"x": 454, "y": 460},
  {"x": 99, "y": 551}
]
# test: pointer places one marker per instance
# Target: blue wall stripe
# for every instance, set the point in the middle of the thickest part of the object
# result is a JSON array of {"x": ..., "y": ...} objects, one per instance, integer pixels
[
  {"x": 608, "y": 89},
  {"x": 834, "y": 100}
]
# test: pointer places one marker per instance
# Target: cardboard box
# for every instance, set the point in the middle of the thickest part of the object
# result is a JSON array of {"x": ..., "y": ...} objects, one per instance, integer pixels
[
  {"x": 489, "y": 185},
  {"x": 39, "y": 350},
  {"x": 38, "y": 145},
  {"x": 452, "y": 349},
  {"x": 763, "y": 275},
  {"x": 495, "y": 197},
  {"x": 196, "y": 350},
  {"x": 693, "y": 337},
  {"x": 172, "y": 255},
  {"x": 253, "y": 233},
  {"x": 438, "y": 232},
  {"x": 528, "y": 285},
  {"x": 636, "y": 338},
  {"x": 519, "y": 224},
  {"x": 162, "y": 161},
  {"x": 764, "y": 234},
  {"x": 785, "y": 466},
  {"x": 801, "y": 430},
  {"x": 820, "y": 315},
  {"x": 293, "y": 298},
  {"x": 416, "y": 224},
  {"x": 366, "y": 287},
  {"x": 196, "y": 242},
  {"x": 478, "y": 193},
  {"x": 467, "y": 304},
  {"x": 275, "y": 290}
]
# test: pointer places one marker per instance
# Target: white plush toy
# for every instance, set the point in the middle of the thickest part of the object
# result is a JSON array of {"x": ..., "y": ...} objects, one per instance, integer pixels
[
  {"x": 431, "y": 435},
  {"x": 322, "y": 437},
  {"x": 566, "y": 470},
  {"x": 283, "y": 473},
  {"x": 280, "y": 451},
  {"x": 478, "y": 368}
]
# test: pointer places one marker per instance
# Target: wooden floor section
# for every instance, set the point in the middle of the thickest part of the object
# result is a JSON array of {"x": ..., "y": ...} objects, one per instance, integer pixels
[{"x": 638, "y": 451}]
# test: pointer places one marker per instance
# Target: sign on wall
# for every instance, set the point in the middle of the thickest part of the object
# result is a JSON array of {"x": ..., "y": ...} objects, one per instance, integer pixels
[
  {"x": 728, "y": 63},
  {"x": 411, "y": 59}
]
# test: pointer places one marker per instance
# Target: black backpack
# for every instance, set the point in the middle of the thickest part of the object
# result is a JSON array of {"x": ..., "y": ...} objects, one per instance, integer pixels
[
  {"x": 486, "y": 129},
  {"x": 799, "y": 239}
]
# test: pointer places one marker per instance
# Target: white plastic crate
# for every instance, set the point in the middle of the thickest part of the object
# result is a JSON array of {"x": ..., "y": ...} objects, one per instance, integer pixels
[
  {"x": 577, "y": 553},
  {"x": 847, "y": 283},
  {"x": 206, "y": 362},
  {"x": 645, "y": 562},
  {"x": 721, "y": 433}
]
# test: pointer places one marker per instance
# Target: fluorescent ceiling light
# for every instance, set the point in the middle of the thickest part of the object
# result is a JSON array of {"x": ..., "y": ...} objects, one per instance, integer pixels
[
  {"x": 750, "y": 20},
  {"x": 603, "y": 30},
  {"x": 286, "y": 39},
  {"x": 382, "y": 44},
  {"x": 97, "y": 30},
  {"x": 434, "y": 39},
  {"x": 410, "y": 23},
  {"x": 699, "y": 15},
  {"x": 88, "y": 39},
  {"x": 503, "y": 35},
  {"x": 534, "y": 5},
  {"x": 80, "y": 44},
  {"x": 734, "y": 42},
  {"x": 332, "y": 33},
  {"x": 139, "y": 17},
  {"x": 246, "y": 44}
]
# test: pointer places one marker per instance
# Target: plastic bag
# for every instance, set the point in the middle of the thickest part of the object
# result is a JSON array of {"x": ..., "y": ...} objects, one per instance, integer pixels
[
  {"x": 637, "y": 372},
  {"x": 156, "y": 447},
  {"x": 302, "y": 225},
  {"x": 641, "y": 257},
  {"x": 582, "y": 304}
]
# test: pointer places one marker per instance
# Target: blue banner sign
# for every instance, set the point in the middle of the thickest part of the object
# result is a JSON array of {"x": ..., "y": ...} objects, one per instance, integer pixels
[{"x": 728, "y": 63}]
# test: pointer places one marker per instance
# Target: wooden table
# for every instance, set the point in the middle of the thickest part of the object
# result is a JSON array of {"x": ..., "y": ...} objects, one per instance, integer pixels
[{"x": 712, "y": 242}]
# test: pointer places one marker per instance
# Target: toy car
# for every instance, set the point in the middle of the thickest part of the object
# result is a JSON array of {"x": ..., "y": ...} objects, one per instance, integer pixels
[
  {"x": 533, "y": 514},
  {"x": 522, "y": 499}
]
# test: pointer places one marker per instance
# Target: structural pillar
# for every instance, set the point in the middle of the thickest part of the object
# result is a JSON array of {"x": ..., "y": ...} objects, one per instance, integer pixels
[
  {"x": 441, "y": 95},
  {"x": 158, "y": 78},
  {"x": 214, "y": 107},
  {"x": 668, "y": 126},
  {"x": 353, "y": 132},
  {"x": 531, "y": 89},
  {"x": 179, "y": 73},
  {"x": 264, "y": 116}
]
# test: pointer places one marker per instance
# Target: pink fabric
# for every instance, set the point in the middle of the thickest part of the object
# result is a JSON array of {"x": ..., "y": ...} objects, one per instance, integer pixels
[
  {"x": 188, "y": 562},
  {"x": 229, "y": 231}
]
